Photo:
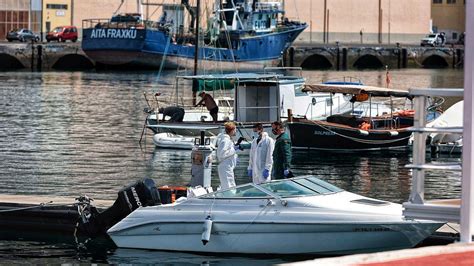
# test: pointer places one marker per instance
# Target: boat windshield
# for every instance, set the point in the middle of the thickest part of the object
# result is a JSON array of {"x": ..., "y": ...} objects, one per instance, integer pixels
[
  {"x": 245, "y": 191},
  {"x": 295, "y": 187},
  {"x": 307, "y": 186}
]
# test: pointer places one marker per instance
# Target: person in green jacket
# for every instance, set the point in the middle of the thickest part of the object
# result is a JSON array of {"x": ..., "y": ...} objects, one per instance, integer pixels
[{"x": 281, "y": 153}]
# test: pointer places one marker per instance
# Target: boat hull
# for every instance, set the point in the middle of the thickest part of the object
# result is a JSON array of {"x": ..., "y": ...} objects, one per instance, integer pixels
[
  {"x": 326, "y": 136},
  {"x": 152, "y": 48},
  {"x": 153, "y": 61},
  {"x": 275, "y": 238}
]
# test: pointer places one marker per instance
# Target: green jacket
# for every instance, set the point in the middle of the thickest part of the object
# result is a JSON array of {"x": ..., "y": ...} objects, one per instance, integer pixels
[{"x": 281, "y": 156}]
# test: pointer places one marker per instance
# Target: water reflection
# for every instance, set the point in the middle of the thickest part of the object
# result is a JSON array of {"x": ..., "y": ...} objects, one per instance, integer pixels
[
  {"x": 133, "y": 256},
  {"x": 379, "y": 174}
]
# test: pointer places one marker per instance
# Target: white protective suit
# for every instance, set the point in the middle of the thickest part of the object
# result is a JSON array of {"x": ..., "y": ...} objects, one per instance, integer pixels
[
  {"x": 261, "y": 158},
  {"x": 227, "y": 159}
]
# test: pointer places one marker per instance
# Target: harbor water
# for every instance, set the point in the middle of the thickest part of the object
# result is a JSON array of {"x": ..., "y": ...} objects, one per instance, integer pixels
[{"x": 75, "y": 133}]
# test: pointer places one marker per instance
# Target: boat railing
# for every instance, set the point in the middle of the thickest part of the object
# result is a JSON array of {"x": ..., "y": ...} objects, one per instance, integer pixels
[
  {"x": 385, "y": 122},
  {"x": 328, "y": 101},
  {"x": 345, "y": 79},
  {"x": 417, "y": 207},
  {"x": 101, "y": 23}
]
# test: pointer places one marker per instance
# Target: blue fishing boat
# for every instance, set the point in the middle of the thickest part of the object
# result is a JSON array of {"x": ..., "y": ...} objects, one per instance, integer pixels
[{"x": 241, "y": 34}]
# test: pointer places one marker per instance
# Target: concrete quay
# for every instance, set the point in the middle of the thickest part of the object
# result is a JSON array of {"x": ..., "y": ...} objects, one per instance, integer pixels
[
  {"x": 363, "y": 56},
  {"x": 67, "y": 56},
  {"x": 43, "y": 56}
]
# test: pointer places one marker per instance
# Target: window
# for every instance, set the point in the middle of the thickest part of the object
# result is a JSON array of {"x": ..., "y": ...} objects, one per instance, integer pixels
[
  {"x": 56, "y": 6},
  {"x": 437, "y": 1},
  {"x": 451, "y": 1}
]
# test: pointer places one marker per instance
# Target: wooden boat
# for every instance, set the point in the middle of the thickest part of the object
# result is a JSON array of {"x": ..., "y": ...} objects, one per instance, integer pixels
[{"x": 352, "y": 132}]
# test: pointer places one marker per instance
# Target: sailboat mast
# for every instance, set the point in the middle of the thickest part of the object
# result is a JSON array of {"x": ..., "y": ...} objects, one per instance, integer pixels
[
  {"x": 196, "y": 47},
  {"x": 196, "y": 51}
]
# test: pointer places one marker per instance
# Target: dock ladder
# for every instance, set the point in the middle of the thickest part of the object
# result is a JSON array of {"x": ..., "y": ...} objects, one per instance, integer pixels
[{"x": 417, "y": 207}]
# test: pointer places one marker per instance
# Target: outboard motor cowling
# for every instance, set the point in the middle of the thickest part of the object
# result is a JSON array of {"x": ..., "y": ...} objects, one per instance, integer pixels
[{"x": 139, "y": 194}]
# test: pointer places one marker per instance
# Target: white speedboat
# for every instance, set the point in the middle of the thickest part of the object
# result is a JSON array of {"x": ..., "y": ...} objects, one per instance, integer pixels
[
  {"x": 302, "y": 215},
  {"x": 172, "y": 141}
]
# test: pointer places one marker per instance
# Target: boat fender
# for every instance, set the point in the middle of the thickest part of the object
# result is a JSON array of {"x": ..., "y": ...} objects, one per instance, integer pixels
[
  {"x": 393, "y": 133},
  {"x": 206, "y": 230},
  {"x": 364, "y": 132}
]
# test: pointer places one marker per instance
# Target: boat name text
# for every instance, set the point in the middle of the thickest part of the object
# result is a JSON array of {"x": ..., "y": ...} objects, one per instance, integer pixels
[
  {"x": 114, "y": 33},
  {"x": 323, "y": 133}
]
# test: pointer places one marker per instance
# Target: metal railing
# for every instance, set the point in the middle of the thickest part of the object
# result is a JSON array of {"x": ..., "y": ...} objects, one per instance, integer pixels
[
  {"x": 417, "y": 207},
  {"x": 101, "y": 23}
]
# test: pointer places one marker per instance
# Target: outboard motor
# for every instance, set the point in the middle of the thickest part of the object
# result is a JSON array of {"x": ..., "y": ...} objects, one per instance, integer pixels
[
  {"x": 139, "y": 194},
  {"x": 201, "y": 162}
]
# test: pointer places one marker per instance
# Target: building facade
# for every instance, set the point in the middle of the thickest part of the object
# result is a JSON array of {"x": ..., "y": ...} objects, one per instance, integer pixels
[
  {"x": 17, "y": 14},
  {"x": 56, "y": 13},
  {"x": 449, "y": 16},
  {"x": 362, "y": 21}
]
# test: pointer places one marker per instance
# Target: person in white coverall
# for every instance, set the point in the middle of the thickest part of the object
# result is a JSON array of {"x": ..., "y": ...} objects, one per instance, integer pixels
[
  {"x": 226, "y": 156},
  {"x": 261, "y": 160}
]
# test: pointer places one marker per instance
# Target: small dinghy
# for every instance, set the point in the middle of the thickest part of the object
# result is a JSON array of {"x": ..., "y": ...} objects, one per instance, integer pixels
[{"x": 172, "y": 141}]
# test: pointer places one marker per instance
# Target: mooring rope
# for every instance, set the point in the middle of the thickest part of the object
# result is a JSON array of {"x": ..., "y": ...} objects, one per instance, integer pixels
[
  {"x": 362, "y": 140},
  {"x": 41, "y": 205}
]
